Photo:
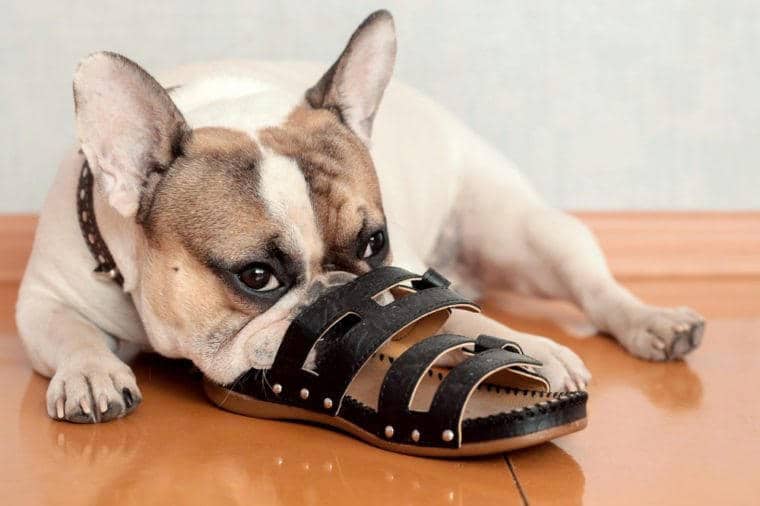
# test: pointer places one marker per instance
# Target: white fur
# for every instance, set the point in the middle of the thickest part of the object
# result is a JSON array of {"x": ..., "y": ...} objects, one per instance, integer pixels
[{"x": 286, "y": 193}]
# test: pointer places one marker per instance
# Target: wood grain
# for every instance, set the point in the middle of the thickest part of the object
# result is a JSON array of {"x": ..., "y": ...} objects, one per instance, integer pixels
[{"x": 638, "y": 244}]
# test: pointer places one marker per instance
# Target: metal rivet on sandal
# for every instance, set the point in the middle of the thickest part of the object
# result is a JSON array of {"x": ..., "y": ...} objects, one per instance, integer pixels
[
  {"x": 389, "y": 431},
  {"x": 327, "y": 403},
  {"x": 415, "y": 435},
  {"x": 447, "y": 435},
  {"x": 304, "y": 393},
  {"x": 277, "y": 388}
]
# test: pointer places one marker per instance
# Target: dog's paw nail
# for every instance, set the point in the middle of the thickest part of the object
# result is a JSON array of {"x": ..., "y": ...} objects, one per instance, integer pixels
[
  {"x": 128, "y": 399},
  {"x": 682, "y": 346},
  {"x": 663, "y": 333},
  {"x": 92, "y": 395},
  {"x": 103, "y": 402}
]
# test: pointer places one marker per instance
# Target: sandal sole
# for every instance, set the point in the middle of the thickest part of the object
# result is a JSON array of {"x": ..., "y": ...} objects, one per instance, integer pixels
[{"x": 250, "y": 406}]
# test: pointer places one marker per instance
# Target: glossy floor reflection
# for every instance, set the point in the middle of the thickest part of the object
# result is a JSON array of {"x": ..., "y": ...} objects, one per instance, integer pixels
[
  {"x": 685, "y": 432},
  {"x": 679, "y": 433}
]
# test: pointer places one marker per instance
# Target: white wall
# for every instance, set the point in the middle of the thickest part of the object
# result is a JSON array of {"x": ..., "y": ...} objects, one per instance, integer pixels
[{"x": 604, "y": 104}]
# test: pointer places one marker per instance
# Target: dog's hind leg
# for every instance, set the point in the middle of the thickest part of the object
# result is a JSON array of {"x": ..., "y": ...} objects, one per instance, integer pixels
[{"x": 507, "y": 237}]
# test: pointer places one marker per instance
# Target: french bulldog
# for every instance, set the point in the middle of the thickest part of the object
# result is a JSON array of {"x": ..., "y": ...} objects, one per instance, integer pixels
[{"x": 233, "y": 193}]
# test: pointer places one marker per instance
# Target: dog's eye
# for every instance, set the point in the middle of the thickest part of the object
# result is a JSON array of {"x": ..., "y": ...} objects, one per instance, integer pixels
[
  {"x": 259, "y": 277},
  {"x": 375, "y": 244}
]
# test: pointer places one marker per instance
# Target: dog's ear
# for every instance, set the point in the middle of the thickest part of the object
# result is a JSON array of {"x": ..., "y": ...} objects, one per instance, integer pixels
[
  {"x": 355, "y": 83},
  {"x": 128, "y": 127}
]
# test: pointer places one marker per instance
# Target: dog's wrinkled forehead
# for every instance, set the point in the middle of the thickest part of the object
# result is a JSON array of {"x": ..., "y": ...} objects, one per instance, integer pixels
[
  {"x": 337, "y": 167},
  {"x": 306, "y": 187},
  {"x": 209, "y": 198}
]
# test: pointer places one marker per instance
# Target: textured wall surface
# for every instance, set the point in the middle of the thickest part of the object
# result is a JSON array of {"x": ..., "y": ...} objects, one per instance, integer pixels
[{"x": 650, "y": 104}]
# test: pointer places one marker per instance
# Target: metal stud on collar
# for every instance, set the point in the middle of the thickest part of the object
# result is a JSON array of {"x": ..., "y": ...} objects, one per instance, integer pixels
[
  {"x": 277, "y": 388},
  {"x": 304, "y": 393},
  {"x": 415, "y": 435},
  {"x": 448, "y": 435},
  {"x": 389, "y": 431},
  {"x": 110, "y": 275},
  {"x": 327, "y": 403}
]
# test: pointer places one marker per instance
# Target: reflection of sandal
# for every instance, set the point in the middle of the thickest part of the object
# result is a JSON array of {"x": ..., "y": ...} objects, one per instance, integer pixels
[{"x": 376, "y": 375}]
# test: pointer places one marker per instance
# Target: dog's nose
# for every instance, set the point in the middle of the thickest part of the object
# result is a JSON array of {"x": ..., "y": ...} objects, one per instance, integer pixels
[
  {"x": 333, "y": 278},
  {"x": 325, "y": 282}
]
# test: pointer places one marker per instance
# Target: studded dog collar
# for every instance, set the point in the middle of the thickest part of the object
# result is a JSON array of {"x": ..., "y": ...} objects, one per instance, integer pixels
[{"x": 106, "y": 266}]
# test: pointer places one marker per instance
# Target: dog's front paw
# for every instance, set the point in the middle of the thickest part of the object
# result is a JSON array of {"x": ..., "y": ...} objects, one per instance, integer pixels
[
  {"x": 96, "y": 391},
  {"x": 563, "y": 369},
  {"x": 663, "y": 333}
]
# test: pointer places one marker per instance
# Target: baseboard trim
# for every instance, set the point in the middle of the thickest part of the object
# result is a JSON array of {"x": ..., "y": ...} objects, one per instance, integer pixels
[
  {"x": 16, "y": 238},
  {"x": 678, "y": 244},
  {"x": 637, "y": 244}
]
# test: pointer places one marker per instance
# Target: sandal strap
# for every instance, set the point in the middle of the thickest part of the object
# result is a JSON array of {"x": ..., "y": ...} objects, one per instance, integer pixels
[
  {"x": 430, "y": 279},
  {"x": 342, "y": 357},
  {"x": 486, "y": 342},
  {"x": 449, "y": 402},
  {"x": 328, "y": 309},
  {"x": 407, "y": 371}
]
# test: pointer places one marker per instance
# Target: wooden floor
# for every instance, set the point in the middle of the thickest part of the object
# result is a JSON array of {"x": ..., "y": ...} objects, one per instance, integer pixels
[{"x": 685, "y": 432}]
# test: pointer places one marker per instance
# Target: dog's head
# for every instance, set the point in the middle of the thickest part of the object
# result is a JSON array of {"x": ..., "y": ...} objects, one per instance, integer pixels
[{"x": 239, "y": 228}]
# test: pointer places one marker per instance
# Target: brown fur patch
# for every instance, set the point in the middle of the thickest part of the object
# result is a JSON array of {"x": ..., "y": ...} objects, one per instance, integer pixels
[
  {"x": 209, "y": 199},
  {"x": 338, "y": 168},
  {"x": 222, "y": 142}
]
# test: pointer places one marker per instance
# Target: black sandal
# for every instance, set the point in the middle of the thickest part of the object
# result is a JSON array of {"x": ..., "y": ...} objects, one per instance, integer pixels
[{"x": 376, "y": 375}]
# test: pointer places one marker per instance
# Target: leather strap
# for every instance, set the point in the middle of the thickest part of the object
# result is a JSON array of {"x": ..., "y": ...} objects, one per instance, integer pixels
[
  {"x": 431, "y": 278},
  {"x": 343, "y": 357},
  {"x": 106, "y": 268},
  {"x": 486, "y": 342},
  {"x": 352, "y": 298},
  {"x": 448, "y": 404},
  {"x": 405, "y": 373}
]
